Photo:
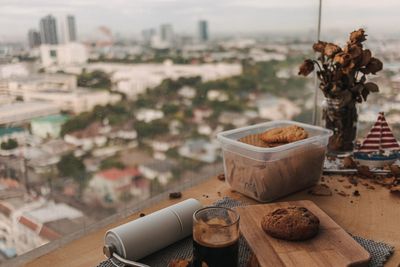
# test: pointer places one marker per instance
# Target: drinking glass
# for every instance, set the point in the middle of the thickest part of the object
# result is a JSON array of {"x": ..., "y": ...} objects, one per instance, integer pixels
[{"x": 215, "y": 237}]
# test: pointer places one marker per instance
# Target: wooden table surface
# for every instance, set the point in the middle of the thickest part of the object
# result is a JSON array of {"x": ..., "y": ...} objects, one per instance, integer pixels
[{"x": 375, "y": 214}]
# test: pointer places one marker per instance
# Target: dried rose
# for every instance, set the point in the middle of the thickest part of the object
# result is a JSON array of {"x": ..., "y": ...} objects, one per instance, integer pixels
[
  {"x": 373, "y": 66},
  {"x": 357, "y": 88},
  {"x": 366, "y": 57},
  {"x": 371, "y": 87},
  {"x": 319, "y": 47},
  {"x": 331, "y": 49},
  {"x": 364, "y": 94},
  {"x": 335, "y": 88},
  {"x": 349, "y": 67},
  {"x": 357, "y": 36},
  {"x": 306, "y": 68},
  {"x": 353, "y": 50},
  {"x": 342, "y": 58}
]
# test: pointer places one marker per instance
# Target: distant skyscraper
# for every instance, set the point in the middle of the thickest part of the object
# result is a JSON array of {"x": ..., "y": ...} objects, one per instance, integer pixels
[
  {"x": 48, "y": 30},
  {"x": 70, "y": 29},
  {"x": 33, "y": 38},
  {"x": 203, "y": 31},
  {"x": 166, "y": 33},
  {"x": 147, "y": 35}
]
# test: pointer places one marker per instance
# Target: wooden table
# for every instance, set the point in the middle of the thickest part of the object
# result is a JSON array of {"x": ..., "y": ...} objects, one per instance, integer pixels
[{"x": 375, "y": 214}]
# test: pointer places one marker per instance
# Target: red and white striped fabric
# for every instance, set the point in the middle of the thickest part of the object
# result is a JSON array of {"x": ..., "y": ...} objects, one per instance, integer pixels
[{"x": 380, "y": 137}]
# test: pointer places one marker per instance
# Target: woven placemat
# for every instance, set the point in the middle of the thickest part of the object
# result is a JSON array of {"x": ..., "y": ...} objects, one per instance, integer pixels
[{"x": 380, "y": 252}]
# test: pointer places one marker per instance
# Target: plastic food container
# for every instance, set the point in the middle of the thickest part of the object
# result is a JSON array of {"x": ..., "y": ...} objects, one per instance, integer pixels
[{"x": 266, "y": 174}]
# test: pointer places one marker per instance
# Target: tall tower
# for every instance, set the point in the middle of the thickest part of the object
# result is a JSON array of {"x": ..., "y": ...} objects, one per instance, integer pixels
[
  {"x": 203, "y": 31},
  {"x": 70, "y": 29},
  {"x": 48, "y": 30},
  {"x": 33, "y": 38},
  {"x": 166, "y": 33},
  {"x": 147, "y": 35}
]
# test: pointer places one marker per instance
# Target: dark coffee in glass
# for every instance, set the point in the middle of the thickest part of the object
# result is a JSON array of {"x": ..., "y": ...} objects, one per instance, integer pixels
[{"x": 215, "y": 237}]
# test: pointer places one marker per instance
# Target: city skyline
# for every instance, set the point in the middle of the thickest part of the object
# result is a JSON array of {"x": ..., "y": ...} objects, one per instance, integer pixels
[{"x": 128, "y": 19}]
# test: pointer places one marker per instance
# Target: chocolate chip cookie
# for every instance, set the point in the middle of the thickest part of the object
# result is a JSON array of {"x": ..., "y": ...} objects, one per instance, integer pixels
[
  {"x": 286, "y": 134},
  {"x": 254, "y": 140},
  {"x": 292, "y": 223}
]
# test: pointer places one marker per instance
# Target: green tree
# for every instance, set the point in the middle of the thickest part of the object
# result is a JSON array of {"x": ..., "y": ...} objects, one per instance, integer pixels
[
  {"x": 151, "y": 129},
  {"x": 10, "y": 144},
  {"x": 112, "y": 162},
  {"x": 71, "y": 166},
  {"x": 78, "y": 122},
  {"x": 170, "y": 109},
  {"x": 97, "y": 79}
]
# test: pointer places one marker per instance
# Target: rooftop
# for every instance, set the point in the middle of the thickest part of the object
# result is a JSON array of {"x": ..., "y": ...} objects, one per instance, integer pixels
[
  {"x": 115, "y": 174},
  {"x": 22, "y": 111},
  {"x": 56, "y": 118},
  {"x": 28, "y": 223},
  {"x": 53, "y": 212},
  {"x": 41, "y": 77},
  {"x": 160, "y": 165},
  {"x": 4, "y": 209},
  {"x": 10, "y": 130},
  {"x": 48, "y": 233},
  {"x": 65, "y": 226}
]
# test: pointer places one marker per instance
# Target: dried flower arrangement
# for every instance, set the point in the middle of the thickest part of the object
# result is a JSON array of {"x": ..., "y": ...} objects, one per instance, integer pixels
[{"x": 342, "y": 73}]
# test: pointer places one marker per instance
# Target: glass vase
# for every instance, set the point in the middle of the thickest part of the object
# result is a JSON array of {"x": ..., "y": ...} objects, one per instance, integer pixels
[{"x": 342, "y": 120}]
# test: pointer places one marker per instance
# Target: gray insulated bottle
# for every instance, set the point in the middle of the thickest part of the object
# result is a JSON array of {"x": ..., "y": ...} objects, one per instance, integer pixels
[{"x": 141, "y": 237}]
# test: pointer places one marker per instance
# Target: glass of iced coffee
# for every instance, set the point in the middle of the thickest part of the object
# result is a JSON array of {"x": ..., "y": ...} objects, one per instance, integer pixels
[{"x": 215, "y": 237}]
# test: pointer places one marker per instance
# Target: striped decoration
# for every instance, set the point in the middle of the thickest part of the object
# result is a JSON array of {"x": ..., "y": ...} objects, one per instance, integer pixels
[{"x": 380, "y": 137}]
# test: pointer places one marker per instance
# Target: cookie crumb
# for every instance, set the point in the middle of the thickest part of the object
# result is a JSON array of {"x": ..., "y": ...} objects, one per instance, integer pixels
[
  {"x": 142, "y": 214},
  {"x": 221, "y": 177},
  {"x": 320, "y": 190},
  {"x": 364, "y": 171},
  {"x": 395, "y": 189},
  {"x": 348, "y": 163},
  {"x": 175, "y": 195},
  {"x": 353, "y": 180}
]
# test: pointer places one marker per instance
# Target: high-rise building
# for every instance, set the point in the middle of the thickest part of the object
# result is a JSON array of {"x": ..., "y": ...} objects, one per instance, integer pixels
[
  {"x": 70, "y": 29},
  {"x": 48, "y": 30},
  {"x": 166, "y": 33},
  {"x": 203, "y": 31},
  {"x": 33, "y": 38},
  {"x": 147, "y": 35}
]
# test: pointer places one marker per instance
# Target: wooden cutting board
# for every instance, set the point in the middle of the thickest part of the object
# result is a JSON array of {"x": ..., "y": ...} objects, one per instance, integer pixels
[{"x": 333, "y": 246}]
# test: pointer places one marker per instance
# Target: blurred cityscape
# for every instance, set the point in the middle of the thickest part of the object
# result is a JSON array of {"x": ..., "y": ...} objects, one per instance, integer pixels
[{"x": 90, "y": 128}]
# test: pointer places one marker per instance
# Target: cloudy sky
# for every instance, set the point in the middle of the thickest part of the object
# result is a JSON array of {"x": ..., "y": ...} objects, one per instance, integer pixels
[{"x": 129, "y": 17}]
